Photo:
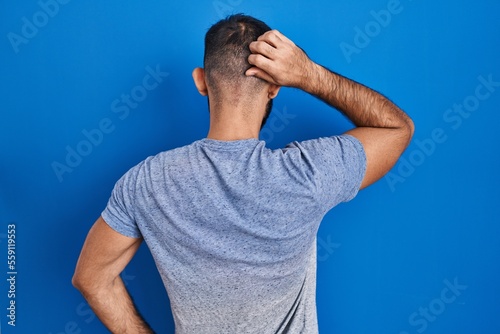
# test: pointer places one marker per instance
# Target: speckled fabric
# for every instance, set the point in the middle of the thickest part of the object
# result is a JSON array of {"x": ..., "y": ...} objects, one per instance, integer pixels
[{"x": 232, "y": 227}]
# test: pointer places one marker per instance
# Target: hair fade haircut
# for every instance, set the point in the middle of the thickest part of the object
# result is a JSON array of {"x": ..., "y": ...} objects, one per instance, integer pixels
[{"x": 227, "y": 50}]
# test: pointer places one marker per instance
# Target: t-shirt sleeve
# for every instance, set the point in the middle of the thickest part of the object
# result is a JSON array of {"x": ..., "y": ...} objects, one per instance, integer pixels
[
  {"x": 335, "y": 164},
  {"x": 119, "y": 212}
]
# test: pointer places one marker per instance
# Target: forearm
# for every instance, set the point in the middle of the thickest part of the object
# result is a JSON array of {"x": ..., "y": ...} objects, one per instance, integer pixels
[
  {"x": 115, "y": 308},
  {"x": 360, "y": 104},
  {"x": 382, "y": 128}
]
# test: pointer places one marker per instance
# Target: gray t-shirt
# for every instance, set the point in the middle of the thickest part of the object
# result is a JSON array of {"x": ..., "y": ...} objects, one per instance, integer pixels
[{"x": 232, "y": 227}]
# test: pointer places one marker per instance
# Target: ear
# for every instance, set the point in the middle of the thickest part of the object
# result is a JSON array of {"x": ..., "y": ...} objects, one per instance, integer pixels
[
  {"x": 199, "y": 81},
  {"x": 273, "y": 91}
]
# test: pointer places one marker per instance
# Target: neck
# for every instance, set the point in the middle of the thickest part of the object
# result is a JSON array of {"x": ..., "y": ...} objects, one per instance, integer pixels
[{"x": 235, "y": 121}]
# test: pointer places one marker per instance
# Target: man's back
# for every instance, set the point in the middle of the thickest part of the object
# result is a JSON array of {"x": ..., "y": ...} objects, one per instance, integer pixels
[
  {"x": 232, "y": 224},
  {"x": 232, "y": 227}
]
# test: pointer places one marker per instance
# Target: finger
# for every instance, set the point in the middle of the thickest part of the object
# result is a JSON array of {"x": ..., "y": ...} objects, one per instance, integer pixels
[
  {"x": 282, "y": 37},
  {"x": 259, "y": 73},
  {"x": 263, "y": 48},
  {"x": 261, "y": 67},
  {"x": 260, "y": 61},
  {"x": 265, "y": 35},
  {"x": 271, "y": 38}
]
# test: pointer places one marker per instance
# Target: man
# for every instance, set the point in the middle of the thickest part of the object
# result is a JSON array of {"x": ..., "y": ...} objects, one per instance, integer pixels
[{"x": 230, "y": 223}]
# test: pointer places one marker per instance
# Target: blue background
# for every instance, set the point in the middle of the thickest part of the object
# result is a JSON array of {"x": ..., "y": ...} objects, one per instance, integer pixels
[{"x": 383, "y": 258}]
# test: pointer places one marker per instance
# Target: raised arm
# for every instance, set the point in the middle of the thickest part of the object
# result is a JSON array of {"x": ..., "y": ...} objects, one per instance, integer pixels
[
  {"x": 383, "y": 129},
  {"x": 104, "y": 256}
]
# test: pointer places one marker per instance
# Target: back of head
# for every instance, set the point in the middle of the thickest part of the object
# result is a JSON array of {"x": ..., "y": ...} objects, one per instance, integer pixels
[{"x": 226, "y": 54}]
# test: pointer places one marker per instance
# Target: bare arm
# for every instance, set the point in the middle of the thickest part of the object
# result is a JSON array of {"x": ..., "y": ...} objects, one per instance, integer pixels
[
  {"x": 104, "y": 255},
  {"x": 383, "y": 129}
]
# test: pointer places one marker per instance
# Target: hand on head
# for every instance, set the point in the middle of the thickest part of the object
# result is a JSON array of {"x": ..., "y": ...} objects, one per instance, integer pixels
[{"x": 277, "y": 60}]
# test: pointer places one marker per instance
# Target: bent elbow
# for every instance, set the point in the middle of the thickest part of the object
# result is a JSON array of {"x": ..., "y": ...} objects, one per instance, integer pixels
[
  {"x": 86, "y": 288},
  {"x": 409, "y": 130},
  {"x": 81, "y": 283},
  {"x": 76, "y": 282}
]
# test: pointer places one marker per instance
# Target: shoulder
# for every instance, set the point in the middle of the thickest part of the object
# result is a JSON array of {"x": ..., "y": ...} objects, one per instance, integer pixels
[
  {"x": 339, "y": 157},
  {"x": 326, "y": 142},
  {"x": 341, "y": 145},
  {"x": 152, "y": 163},
  {"x": 167, "y": 156}
]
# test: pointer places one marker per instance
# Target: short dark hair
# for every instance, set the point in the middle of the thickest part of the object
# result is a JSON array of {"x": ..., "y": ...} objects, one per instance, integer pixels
[{"x": 227, "y": 49}]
